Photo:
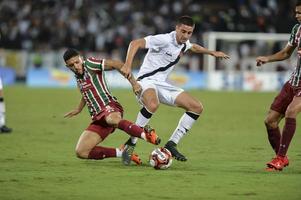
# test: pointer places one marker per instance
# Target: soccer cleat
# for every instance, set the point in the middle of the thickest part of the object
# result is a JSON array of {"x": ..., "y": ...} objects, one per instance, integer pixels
[
  {"x": 172, "y": 147},
  {"x": 127, "y": 154},
  {"x": 5, "y": 129},
  {"x": 135, "y": 158},
  {"x": 151, "y": 135},
  {"x": 278, "y": 163}
]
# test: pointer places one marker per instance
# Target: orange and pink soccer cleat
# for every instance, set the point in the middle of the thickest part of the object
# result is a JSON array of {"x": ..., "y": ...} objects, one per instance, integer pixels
[
  {"x": 278, "y": 163},
  {"x": 151, "y": 135}
]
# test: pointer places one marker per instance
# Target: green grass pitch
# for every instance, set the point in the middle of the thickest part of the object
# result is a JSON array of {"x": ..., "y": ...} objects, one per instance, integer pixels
[{"x": 227, "y": 149}]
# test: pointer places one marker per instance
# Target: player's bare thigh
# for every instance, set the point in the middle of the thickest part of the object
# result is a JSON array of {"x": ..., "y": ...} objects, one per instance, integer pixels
[
  {"x": 189, "y": 103},
  {"x": 150, "y": 99},
  {"x": 293, "y": 108},
  {"x": 87, "y": 141},
  {"x": 272, "y": 119},
  {"x": 113, "y": 119}
]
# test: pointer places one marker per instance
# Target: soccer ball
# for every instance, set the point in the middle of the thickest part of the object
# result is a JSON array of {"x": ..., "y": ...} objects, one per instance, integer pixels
[{"x": 160, "y": 158}]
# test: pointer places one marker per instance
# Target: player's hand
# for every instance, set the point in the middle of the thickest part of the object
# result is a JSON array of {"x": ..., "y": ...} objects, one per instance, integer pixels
[
  {"x": 137, "y": 89},
  {"x": 220, "y": 54},
  {"x": 126, "y": 71},
  {"x": 261, "y": 60},
  {"x": 72, "y": 113}
]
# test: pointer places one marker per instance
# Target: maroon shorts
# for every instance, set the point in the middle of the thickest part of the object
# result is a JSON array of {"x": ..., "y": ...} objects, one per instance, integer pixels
[
  {"x": 285, "y": 97},
  {"x": 99, "y": 124}
]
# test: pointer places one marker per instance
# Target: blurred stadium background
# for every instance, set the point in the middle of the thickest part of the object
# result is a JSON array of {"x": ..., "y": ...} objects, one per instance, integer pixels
[{"x": 35, "y": 33}]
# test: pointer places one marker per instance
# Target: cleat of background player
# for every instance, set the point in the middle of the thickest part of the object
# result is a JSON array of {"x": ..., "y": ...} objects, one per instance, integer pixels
[
  {"x": 278, "y": 163},
  {"x": 5, "y": 129}
]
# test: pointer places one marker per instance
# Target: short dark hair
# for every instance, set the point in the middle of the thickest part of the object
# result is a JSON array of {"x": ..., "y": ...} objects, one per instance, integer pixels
[
  {"x": 186, "y": 20},
  {"x": 70, "y": 53},
  {"x": 298, "y": 3}
]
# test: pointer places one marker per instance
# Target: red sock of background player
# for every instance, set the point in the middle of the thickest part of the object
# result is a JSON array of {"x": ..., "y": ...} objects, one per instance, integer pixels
[
  {"x": 287, "y": 135},
  {"x": 131, "y": 129},
  {"x": 99, "y": 153},
  {"x": 274, "y": 137}
]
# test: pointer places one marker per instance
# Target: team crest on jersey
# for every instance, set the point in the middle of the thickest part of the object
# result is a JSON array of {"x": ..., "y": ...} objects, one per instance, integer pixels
[{"x": 85, "y": 84}]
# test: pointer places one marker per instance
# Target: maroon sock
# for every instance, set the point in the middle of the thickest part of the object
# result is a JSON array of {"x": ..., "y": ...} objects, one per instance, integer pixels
[
  {"x": 287, "y": 135},
  {"x": 274, "y": 137},
  {"x": 99, "y": 153},
  {"x": 130, "y": 128}
]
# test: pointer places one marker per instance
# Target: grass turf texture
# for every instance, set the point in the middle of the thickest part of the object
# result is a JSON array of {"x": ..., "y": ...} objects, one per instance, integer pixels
[{"x": 227, "y": 150}]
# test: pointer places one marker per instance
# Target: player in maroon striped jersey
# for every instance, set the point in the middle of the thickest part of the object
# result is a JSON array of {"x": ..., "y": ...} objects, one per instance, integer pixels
[
  {"x": 288, "y": 102},
  {"x": 105, "y": 111}
]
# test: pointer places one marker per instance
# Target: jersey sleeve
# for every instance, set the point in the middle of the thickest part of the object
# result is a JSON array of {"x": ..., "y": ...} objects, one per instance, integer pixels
[
  {"x": 95, "y": 64},
  {"x": 156, "y": 41},
  {"x": 292, "y": 40}
]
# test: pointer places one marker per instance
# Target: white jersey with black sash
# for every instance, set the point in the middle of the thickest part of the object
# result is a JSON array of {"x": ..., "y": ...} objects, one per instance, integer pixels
[{"x": 163, "y": 54}]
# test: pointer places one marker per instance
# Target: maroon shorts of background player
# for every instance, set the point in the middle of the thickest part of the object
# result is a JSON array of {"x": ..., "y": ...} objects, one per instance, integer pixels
[
  {"x": 99, "y": 124},
  {"x": 285, "y": 97}
]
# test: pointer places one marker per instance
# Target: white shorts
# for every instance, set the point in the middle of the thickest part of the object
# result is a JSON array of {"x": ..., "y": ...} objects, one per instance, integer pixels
[{"x": 166, "y": 92}]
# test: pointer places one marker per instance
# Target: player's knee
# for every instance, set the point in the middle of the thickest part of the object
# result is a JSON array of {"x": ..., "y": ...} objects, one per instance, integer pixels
[
  {"x": 270, "y": 123},
  {"x": 81, "y": 153},
  {"x": 113, "y": 119},
  {"x": 197, "y": 107},
  {"x": 152, "y": 106},
  {"x": 114, "y": 122}
]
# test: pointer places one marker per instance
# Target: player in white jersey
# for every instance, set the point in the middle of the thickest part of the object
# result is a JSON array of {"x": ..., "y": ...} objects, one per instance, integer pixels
[
  {"x": 3, "y": 127},
  {"x": 164, "y": 51}
]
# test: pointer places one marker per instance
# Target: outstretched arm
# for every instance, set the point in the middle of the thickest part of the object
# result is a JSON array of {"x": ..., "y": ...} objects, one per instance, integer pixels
[
  {"x": 134, "y": 46},
  {"x": 280, "y": 55},
  {"x": 201, "y": 50},
  {"x": 77, "y": 110},
  {"x": 114, "y": 64}
]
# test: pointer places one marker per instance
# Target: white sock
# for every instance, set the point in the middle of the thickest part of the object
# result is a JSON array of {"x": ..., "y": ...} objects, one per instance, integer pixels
[
  {"x": 118, "y": 152},
  {"x": 142, "y": 136},
  {"x": 142, "y": 120},
  {"x": 2, "y": 113},
  {"x": 184, "y": 126}
]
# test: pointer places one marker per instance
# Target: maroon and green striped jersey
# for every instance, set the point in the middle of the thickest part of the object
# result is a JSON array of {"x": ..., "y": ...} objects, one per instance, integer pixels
[
  {"x": 93, "y": 86},
  {"x": 295, "y": 37}
]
